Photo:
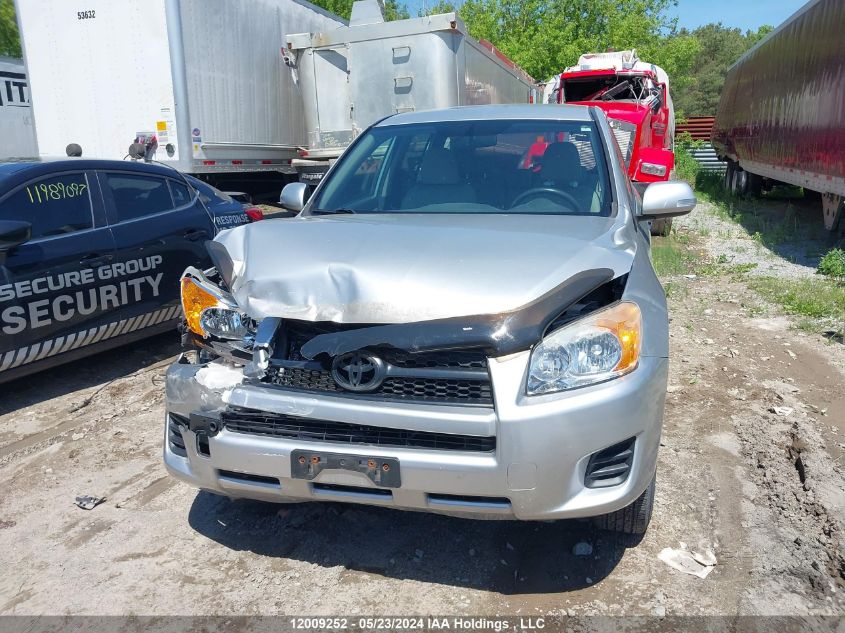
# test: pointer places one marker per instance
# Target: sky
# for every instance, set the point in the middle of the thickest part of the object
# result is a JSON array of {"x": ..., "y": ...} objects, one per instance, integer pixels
[{"x": 745, "y": 14}]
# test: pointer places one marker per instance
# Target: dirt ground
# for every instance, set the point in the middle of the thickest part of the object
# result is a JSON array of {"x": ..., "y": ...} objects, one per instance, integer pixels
[{"x": 751, "y": 466}]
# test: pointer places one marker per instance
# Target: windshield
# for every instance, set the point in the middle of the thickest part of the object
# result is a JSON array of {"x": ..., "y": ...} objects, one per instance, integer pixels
[
  {"x": 533, "y": 167},
  {"x": 609, "y": 88}
]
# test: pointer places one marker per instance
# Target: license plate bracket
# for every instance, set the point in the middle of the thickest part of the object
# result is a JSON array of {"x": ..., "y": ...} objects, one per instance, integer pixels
[{"x": 382, "y": 471}]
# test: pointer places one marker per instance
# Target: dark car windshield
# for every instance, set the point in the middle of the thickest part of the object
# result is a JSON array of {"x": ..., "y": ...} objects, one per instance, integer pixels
[{"x": 527, "y": 166}]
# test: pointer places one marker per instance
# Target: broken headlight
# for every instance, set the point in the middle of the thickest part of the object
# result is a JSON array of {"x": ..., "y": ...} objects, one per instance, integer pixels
[
  {"x": 210, "y": 311},
  {"x": 598, "y": 347},
  {"x": 225, "y": 323}
]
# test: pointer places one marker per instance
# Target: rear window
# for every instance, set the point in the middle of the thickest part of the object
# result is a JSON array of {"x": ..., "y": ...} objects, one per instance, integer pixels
[
  {"x": 525, "y": 166},
  {"x": 55, "y": 205},
  {"x": 137, "y": 196},
  {"x": 209, "y": 194}
]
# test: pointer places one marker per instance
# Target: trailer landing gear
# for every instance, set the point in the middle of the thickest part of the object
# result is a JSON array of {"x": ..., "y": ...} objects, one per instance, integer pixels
[{"x": 833, "y": 207}]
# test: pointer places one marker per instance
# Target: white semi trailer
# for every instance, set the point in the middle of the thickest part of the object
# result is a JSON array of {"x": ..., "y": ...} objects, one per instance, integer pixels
[
  {"x": 355, "y": 75},
  {"x": 202, "y": 84},
  {"x": 17, "y": 134}
]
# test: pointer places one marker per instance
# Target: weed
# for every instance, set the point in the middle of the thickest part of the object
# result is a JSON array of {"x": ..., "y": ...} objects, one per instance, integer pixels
[
  {"x": 813, "y": 298},
  {"x": 833, "y": 264},
  {"x": 738, "y": 270},
  {"x": 675, "y": 290},
  {"x": 669, "y": 258},
  {"x": 686, "y": 167}
]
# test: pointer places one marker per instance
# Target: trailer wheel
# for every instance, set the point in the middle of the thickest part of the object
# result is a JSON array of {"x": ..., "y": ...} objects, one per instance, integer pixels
[
  {"x": 729, "y": 177},
  {"x": 740, "y": 188},
  {"x": 755, "y": 185}
]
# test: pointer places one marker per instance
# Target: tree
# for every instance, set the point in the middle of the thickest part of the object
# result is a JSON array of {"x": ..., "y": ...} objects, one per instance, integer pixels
[
  {"x": 393, "y": 10},
  {"x": 545, "y": 36},
  {"x": 442, "y": 6},
  {"x": 719, "y": 47},
  {"x": 10, "y": 43}
]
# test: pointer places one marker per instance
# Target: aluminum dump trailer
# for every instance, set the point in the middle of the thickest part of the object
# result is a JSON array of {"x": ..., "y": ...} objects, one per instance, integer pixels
[
  {"x": 353, "y": 76},
  {"x": 16, "y": 129},
  {"x": 201, "y": 83},
  {"x": 781, "y": 117}
]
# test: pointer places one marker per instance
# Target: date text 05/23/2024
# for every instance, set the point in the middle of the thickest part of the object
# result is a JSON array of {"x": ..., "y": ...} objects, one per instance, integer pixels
[{"x": 428, "y": 623}]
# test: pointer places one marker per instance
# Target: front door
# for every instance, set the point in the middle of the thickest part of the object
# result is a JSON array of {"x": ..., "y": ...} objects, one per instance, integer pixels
[{"x": 54, "y": 290}]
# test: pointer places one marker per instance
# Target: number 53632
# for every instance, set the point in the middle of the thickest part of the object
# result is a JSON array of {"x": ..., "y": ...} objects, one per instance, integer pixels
[{"x": 85, "y": 15}]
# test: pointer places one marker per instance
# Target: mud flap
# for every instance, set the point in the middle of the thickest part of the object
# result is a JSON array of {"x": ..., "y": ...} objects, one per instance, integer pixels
[{"x": 832, "y": 206}]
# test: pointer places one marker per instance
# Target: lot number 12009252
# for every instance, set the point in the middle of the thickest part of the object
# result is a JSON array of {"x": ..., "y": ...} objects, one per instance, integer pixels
[{"x": 85, "y": 15}]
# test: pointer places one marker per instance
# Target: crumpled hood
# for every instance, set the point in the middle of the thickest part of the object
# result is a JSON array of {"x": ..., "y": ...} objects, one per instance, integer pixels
[{"x": 400, "y": 268}]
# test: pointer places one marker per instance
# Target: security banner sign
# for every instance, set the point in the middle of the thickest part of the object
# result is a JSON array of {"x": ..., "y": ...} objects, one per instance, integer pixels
[{"x": 81, "y": 292}]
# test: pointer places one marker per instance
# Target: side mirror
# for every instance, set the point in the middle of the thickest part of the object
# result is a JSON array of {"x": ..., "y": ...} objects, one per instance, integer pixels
[
  {"x": 294, "y": 196},
  {"x": 13, "y": 234},
  {"x": 667, "y": 199}
]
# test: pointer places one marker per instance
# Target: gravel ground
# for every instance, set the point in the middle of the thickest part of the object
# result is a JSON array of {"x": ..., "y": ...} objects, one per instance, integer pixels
[
  {"x": 751, "y": 467},
  {"x": 783, "y": 238}
]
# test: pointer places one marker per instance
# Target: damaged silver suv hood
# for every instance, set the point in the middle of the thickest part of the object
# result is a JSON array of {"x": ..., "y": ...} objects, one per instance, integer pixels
[{"x": 398, "y": 268}]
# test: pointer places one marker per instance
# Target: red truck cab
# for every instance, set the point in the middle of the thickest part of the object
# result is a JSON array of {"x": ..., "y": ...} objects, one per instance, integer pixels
[{"x": 635, "y": 96}]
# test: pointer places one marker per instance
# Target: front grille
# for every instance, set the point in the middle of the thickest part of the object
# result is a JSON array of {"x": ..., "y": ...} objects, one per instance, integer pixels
[
  {"x": 420, "y": 389},
  {"x": 308, "y": 379},
  {"x": 418, "y": 380},
  {"x": 438, "y": 389},
  {"x": 625, "y": 133},
  {"x": 295, "y": 428},
  {"x": 435, "y": 360}
]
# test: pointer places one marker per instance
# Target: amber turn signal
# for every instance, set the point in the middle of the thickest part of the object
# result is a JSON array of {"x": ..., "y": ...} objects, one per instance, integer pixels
[{"x": 195, "y": 299}]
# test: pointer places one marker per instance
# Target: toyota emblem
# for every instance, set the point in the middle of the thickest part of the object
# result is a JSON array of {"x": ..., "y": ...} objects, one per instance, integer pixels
[{"x": 357, "y": 371}]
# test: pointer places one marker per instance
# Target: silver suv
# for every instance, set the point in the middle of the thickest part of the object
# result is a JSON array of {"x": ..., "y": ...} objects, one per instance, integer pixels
[{"x": 463, "y": 319}]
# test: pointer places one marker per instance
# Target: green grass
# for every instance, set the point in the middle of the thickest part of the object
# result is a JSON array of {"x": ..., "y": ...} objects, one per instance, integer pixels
[
  {"x": 810, "y": 298},
  {"x": 670, "y": 257}
]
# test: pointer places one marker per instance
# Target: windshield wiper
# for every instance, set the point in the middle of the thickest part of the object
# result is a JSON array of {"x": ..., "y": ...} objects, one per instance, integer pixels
[{"x": 331, "y": 211}]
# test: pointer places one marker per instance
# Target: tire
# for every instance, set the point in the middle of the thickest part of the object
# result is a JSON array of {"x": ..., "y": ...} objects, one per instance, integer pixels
[
  {"x": 755, "y": 185},
  {"x": 661, "y": 227},
  {"x": 740, "y": 182},
  {"x": 729, "y": 177},
  {"x": 633, "y": 519}
]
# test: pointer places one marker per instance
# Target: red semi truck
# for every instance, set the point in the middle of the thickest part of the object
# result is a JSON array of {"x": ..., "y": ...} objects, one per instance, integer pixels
[
  {"x": 781, "y": 116},
  {"x": 635, "y": 96}
]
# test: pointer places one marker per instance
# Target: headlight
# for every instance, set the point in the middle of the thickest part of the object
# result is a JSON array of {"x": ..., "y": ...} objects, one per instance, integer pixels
[
  {"x": 208, "y": 312},
  {"x": 598, "y": 347}
]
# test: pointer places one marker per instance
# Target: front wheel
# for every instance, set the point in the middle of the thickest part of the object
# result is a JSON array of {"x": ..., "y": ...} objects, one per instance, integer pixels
[{"x": 632, "y": 519}]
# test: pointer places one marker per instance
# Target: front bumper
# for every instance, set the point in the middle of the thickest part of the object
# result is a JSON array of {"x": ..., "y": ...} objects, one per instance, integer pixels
[{"x": 537, "y": 471}]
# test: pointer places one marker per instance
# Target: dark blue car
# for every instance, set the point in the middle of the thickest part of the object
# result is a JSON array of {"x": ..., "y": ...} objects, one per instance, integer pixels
[{"x": 91, "y": 252}]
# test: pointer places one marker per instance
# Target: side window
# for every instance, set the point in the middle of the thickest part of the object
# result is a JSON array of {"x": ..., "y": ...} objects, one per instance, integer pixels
[
  {"x": 55, "y": 205},
  {"x": 136, "y": 196},
  {"x": 180, "y": 192}
]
